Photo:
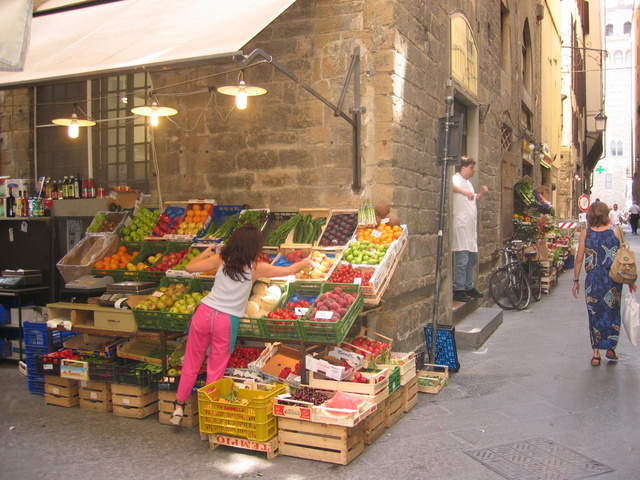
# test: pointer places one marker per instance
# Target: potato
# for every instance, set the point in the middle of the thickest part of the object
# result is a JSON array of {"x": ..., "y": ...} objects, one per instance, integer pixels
[{"x": 383, "y": 209}]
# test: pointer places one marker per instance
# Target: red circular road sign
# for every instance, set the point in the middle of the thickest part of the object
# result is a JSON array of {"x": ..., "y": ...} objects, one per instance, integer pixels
[{"x": 583, "y": 202}]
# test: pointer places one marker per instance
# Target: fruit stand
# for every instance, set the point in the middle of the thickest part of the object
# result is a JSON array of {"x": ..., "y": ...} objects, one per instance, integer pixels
[{"x": 303, "y": 365}]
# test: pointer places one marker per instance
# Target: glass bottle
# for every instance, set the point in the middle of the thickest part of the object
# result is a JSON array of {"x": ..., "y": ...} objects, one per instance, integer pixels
[
  {"x": 26, "y": 211},
  {"x": 17, "y": 205},
  {"x": 11, "y": 200},
  {"x": 77, "y": 190},
  {"x": 48, "y": 188},
  {"x": 65, "y": 188}
]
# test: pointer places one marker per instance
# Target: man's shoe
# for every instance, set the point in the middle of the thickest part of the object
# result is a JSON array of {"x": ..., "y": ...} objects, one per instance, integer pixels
[
  {"x": 461, "y": 296},
  {"x": 473, "y": 293}
]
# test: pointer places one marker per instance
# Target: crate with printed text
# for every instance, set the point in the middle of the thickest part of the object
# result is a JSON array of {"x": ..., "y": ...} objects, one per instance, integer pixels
[
  {"x": 229, "y": 408},
  {"x": 375, "y": 384},
  {"x": 339, "y": 408}
]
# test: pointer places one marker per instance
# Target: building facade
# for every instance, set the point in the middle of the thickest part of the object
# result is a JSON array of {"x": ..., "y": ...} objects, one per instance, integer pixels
[{"x": 289, "y": 150}]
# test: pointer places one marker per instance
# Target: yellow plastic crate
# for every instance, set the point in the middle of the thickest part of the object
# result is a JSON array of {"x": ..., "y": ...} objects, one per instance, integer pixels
[{"x": 254, "y": 421}]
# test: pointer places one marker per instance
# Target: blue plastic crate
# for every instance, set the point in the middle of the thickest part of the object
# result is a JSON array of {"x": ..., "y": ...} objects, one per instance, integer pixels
[
  {"x": 30, "y": 351},
  {"x": 37, "y": 335},
  {"x": 446, "y": 351},
  {"x": 5, "y": 315},
  {"x": 5, "y": 348},
  {"x": 36, "y": 385}
]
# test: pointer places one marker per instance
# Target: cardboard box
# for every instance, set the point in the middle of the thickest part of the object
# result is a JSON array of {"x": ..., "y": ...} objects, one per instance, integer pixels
[
  {"x": 377, "y": 384},
  {"x": 74, "y": 369},
  {"x": 94, "y": 345},
  {"x": 126, "y": 200}
]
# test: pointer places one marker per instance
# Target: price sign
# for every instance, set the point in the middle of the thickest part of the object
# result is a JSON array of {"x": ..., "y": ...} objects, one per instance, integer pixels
[{"x": 324, "y": 315}]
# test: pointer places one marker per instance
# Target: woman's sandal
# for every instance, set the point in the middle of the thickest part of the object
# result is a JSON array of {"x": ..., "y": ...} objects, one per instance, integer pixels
[
  {"x": 611, "y": 354},
  {"x": 595, "y": 361},
  {"x": 178, "y": 413}
]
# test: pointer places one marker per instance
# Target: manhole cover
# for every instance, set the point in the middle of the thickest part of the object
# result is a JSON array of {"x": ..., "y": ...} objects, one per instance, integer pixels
[{"x": 537, "y": 459}]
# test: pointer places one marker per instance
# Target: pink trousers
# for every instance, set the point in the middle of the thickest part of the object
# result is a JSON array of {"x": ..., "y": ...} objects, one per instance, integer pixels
[{"x": 211, "y": 329}]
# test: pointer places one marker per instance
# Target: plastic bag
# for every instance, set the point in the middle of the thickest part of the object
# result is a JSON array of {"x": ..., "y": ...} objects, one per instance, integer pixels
[{"x": 630, "y": 314}]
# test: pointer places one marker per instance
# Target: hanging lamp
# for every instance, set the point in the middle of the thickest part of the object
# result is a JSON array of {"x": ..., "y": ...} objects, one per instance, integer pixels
[
  {"x": 74, "y": 123},
  {"x": 154, "y": 111},
  {"x": 241, "y": 91}
]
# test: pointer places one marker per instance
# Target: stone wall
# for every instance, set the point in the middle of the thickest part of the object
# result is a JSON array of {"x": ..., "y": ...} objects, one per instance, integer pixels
[{"x": 16, "y": 133}]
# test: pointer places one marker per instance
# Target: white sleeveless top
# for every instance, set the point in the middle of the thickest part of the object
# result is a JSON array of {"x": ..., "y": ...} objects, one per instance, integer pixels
[{"x": 229, "y": 296}]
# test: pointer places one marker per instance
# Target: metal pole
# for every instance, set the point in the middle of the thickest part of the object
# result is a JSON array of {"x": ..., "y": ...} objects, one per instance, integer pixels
[{"x": 443, "y": 197}]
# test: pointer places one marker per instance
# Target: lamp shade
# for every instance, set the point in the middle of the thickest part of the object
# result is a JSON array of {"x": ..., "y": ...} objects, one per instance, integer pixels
[
  {"x": 74, "y": 123},
  {"x": 73, "y": 120},
  {"x": 249, "y": 90},
  {"x": 242, "y": 91},
  {"x": 154, "y": 109}
]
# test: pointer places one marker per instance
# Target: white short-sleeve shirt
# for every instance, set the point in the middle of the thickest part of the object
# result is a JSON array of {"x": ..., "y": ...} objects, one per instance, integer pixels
[{"x": 465, "y": 218}]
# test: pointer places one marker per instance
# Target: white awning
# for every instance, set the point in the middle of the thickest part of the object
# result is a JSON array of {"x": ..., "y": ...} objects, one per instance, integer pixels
[{"x": 130, "y": 34}]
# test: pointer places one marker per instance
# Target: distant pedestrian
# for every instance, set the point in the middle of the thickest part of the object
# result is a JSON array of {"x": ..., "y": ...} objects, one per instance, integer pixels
[
  {"x": 599, "y": 242},
  {"x": 634, "y": 215},
  {"x": 614, "y": 215}
]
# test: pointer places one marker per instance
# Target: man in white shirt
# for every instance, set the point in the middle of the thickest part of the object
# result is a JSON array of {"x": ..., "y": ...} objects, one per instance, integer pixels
[
  {"x": 614, "y": 215},
  {"x": 634, "y": 214},
  {"x": 464, "y": 238}
]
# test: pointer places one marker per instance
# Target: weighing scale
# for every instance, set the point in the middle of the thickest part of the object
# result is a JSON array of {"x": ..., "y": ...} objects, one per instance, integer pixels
[
  {"x": 20, "y": 278},
  {"x": 90, "y": 282},
  {"x": 117, "y": 293}
]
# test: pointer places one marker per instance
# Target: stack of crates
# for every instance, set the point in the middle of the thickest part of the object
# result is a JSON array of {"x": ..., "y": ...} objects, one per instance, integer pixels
[{"x": 38, "y": 340}]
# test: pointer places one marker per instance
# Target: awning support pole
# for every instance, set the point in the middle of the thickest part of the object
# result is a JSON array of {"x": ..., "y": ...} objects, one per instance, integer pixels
[{"x": 355, "y": 120}]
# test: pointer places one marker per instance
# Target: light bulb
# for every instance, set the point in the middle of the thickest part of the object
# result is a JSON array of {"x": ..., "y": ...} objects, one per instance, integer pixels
[
  {"x": 74, "y": 129},
  {"x": 153, "y": 119},
  {"x": 241, "y": 97}
]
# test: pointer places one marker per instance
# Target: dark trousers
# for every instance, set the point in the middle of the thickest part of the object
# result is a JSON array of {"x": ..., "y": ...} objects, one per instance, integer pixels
[{"x": 633, "y": 221}]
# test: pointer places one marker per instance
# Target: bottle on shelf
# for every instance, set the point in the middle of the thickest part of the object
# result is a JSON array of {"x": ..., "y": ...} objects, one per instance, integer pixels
[
  {"x": 72, "y": 187},
  {"x": 17, "y": 205},
  {"x": 77, "y": 184},
  {"x": 26, "y": 211},
  {"x": 11, "y": 200},
  {"x": 48, "y": 188},
  {"x": 92, "y": 188},
  {"x": 65, "y": 188}
]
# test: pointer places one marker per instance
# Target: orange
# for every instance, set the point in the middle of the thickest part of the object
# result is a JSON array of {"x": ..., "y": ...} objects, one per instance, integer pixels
[{"x": 99, "y": 265}]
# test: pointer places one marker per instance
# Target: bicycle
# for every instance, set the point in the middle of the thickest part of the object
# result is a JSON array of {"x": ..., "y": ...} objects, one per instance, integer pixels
[{"x": 509, "y": 284}]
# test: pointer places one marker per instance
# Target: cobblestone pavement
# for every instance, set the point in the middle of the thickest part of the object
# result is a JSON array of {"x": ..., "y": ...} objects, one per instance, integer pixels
[{"x": 531, "y": 382}]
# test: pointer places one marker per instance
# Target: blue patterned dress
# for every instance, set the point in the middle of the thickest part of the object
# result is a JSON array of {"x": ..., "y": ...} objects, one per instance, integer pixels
[{"x": 602, "y": 294}]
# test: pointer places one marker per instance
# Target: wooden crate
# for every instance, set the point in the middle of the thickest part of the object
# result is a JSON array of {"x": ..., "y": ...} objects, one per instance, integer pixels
[
  {"x": 165, "y": 409},
  {"x": 95, "y": 396},
  {"x": 133, "y": 402},
  {"x": 410, "y": 394},
  {"x": 62, "y": 392},
  {"x": 395, "y": 407},
  {"x": 375, "y": 424},
  {"x": 270, "y": 447},
  {"x": 324, "y": 443},
  {"x": 437, "y": 380}
]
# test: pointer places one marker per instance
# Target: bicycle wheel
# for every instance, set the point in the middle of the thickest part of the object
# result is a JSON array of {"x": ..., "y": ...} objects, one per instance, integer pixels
[
  {"x": 500, "y": 289},
  {"x": 535, "y": 279},
  {"x": 521, "y": 288}
]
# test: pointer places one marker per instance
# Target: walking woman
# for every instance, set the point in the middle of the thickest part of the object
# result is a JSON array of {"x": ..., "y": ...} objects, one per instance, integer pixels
[
  {"x": 598, "y": 245},
  {"x": 214, "y": 324}
]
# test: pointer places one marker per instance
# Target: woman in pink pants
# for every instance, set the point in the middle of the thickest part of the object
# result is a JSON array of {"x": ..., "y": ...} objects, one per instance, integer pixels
[{"x": 214, "y": 324}]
